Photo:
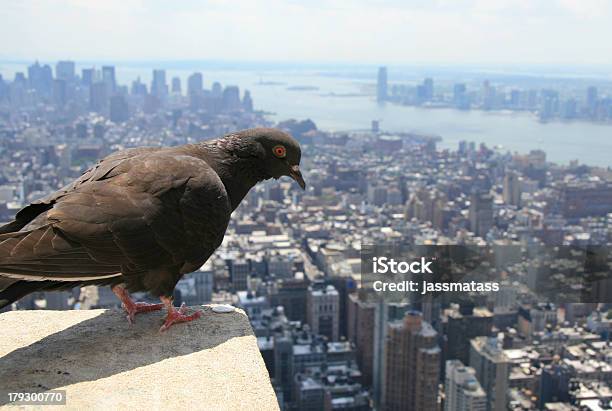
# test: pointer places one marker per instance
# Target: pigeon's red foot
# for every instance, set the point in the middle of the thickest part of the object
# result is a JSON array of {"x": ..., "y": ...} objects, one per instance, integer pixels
[
  {"x": 177, "y": 316},
  {"x": 132, "y": 308},
  {"x": 138, "y": 308}
]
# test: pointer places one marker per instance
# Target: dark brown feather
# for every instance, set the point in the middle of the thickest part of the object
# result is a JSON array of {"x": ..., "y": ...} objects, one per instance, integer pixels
[{"x": 145, "y": 214}]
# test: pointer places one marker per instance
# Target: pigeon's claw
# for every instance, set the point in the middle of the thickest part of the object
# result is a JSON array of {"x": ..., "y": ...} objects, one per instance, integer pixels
[
  {"x": 138, "y": 308},
  {"x": 132, "y": 308},
  {"x": 177, "y": 316}
]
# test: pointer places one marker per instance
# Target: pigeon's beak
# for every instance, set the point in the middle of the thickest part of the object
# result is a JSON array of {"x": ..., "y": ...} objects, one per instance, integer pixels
[{"x": 296, "y": 174}]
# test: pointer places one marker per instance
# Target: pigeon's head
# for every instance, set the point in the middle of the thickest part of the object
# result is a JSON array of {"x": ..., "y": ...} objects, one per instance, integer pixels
[{"x": 281, "y": 154}]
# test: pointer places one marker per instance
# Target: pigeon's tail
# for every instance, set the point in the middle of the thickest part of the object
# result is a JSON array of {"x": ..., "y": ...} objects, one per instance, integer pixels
[
  {"x": 43, "y": 259},
  {"x": 12, "y": 290}
]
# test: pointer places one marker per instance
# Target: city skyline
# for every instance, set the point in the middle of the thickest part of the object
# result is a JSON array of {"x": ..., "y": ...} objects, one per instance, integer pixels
[
  {"x": 325, "y": 343},
  {"x": 469, "y": 138},
  {"x": 543, "y": 32}
]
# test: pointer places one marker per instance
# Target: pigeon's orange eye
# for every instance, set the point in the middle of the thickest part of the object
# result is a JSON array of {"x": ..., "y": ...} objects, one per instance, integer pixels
[{"x": 279, "y": 151}]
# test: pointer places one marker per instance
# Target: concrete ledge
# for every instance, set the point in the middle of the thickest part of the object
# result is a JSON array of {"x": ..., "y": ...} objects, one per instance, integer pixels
[{"x": 104, "y": 363}]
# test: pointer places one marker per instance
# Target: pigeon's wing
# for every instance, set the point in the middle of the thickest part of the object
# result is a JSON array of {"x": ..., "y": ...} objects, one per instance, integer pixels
[
  {"x": 153, "y": 212},
  {"x": 98, "y": 172}
]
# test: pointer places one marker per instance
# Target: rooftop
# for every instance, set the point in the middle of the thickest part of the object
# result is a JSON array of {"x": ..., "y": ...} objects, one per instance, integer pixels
[{"x": 104, "y": 363}]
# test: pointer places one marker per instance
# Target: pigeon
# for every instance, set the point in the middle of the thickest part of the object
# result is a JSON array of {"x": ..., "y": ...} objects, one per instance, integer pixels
[{"x": 140, "y": 219}]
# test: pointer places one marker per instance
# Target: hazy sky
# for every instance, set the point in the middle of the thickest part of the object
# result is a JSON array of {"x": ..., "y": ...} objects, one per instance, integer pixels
[{"x": 367, "y": 31}]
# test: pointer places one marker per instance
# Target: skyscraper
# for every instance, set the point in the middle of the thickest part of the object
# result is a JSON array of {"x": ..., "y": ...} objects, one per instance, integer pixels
[
  {"x": 462, "y": 391},
  {"x": 138, "y": 88},
  {"x": 247, "y": 101},
  {"x": 176, "y": 85},
  {"x": 322, "y": 310},
  {"x": 3, "y": 88},
  {"x": 461, "y": 326},
  {"x": 118, "y": 109},
  {"x": 40, "y": 78},
  {"x": 492, "y": 370},
  {"x": 195, "y": 91},
  {"x": 512, "y": 189},
  {"x": 231, "y": 98},
  {"x": 591, "y": 100},
  {"x": 108, "y": 77},
  {"x": 98, "y": 97},
  {"x": 239, "y": 273},
  {"x": 64, "y": 70},
  {"x": 360, "y": 330},
  {"x": 428, "y": 85},
  {"x": 59, "y": 92},
  {"x": 381, "y": 86},
  {"x": 159, "y": 87},
  {"x": 194, "y": 84},
  {"x": 412, "y": 363},
  {"x": 460, "y": 98},
  {"x": 87, "y": 76},
  {"x": 217, "y": 89},
  {"x": 481, "y": 212}
]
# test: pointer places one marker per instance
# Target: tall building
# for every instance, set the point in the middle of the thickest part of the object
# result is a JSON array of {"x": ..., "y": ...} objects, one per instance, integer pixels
[
  {"x": 322, "y": 310},
  {"x": 462, "y": 391},
  {"x": 138, "y": 88},
  {"x": 64, "y": 70},
  {"x": 176, "y": 85},
  {"x": 108, "y": 78},
  {"x": 460, "y": 98},
  {"x": 488, "y": 95},
  {"x": 428, "y": 86},
  {"x": 360, "y": 331},
  {"x": 381, "y": 85},
  {"x": 481, "y": 213},
  {"x": 159, "y": 87},
  {"x": 203, "y": 278},
  {"x": 59, "y": 92},
  {"x": 291, "y": 293},
  {"x": 217, "y": 89},
  {"x": 88, "y": 76},
  {"x": 492, "y": 370},
  {"x": 195, "y": 91},
  {"x": 247, "y": 101},
  {"x": 3, "y": 88},
  {"x": 309, "y": 393},
  {"x": 412, "y": 364},
  {"x": 512, "y": 189},
  {"x": 591, "y": 100},
  {"x": 40, "y": 78},
  {"x": 283, "y": 364},
  {"x": 515, "y": 98},
  {"x": 195, "y": 84},
  {"x": 583, "y": 199},
  {"x": 461, "y": 325},
  {"x": 239, "y": 274},
  {"x": 118, "y": 109},
  {"x": 231, "y": 98},
  {"x": 555, "y": 383},
  {"x": 98, "y": 97}
]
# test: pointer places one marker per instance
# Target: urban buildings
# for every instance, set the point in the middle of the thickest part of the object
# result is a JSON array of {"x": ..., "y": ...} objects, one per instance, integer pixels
[
  {"x": 547, "y": 103},
  {"x": 323, "y": 310},
  {"x": 381, "y": 86},
  {"x": 462, "y": 391},
  {"x": 412, "y": 365},
  {"x": 291, "y": 259},
  {"x": 492, "y": 367}
]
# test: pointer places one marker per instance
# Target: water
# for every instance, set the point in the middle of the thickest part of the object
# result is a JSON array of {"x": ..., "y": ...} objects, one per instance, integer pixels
[{"x": 352, "y": 107}]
